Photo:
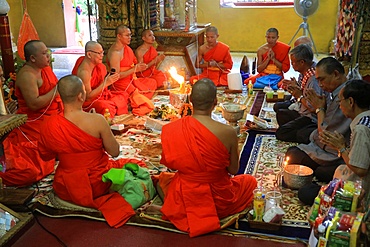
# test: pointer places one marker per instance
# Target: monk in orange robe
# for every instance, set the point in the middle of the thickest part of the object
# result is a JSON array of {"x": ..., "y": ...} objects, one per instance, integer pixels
[
  {"x": 94, "y": 75},
  {"x": 121, "y": 58},
  {"x": 84, "y": 141},
  {"x": 38, "y": 98},
  {"x": 272, "y": 57},
  {"x": 204, "y": 152},
  {"x": 146, "y": 53},
  {"x": 216, "y": 57}
]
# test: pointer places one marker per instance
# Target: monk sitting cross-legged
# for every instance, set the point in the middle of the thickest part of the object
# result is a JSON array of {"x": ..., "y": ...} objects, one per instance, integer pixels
[
  {"x": 205, "y": 154},
  {"x": 146, "y": 53},
  {"x": 214, "y": 59},
  {"x": 38, "y": 98},
  {"x": 272, "y": 61},
  {"x": 121, "y": 58},
  {"x": 92, "y": 71},
  {"x": 82, "y": 142}
]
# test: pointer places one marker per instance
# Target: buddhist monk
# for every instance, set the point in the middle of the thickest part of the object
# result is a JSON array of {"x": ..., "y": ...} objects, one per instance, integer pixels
[
  {"x": 272, "y": 61},
  {"x": 146, "y": 53},
  {"x": 92, "y": 71},
  {"x": 84, "y": 142},
  {"x": 205, "y": 154},
  {"x": 214, "y": 59},
  {"x": 38, "y": 98},
  {"x": 121, "y": 58}
]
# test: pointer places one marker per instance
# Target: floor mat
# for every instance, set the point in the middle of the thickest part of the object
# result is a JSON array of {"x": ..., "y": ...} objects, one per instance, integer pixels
[{"x": 263, "y": 165}]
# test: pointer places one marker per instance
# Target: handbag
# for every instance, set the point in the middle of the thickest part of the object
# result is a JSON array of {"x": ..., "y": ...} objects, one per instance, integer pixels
[{"x": 132, "y": 182}]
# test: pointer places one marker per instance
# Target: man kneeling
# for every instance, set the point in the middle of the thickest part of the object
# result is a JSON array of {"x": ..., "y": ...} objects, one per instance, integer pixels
[{"x": 204, "y": 152}]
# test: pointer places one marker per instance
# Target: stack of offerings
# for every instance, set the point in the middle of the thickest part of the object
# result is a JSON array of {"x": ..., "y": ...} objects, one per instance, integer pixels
[
  {"x": 334, "y": 214},
  {"x": 266, "y": 213}
]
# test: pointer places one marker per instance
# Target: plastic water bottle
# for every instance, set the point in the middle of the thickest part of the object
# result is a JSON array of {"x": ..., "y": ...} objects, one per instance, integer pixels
[{"x": 244, "y": 90}]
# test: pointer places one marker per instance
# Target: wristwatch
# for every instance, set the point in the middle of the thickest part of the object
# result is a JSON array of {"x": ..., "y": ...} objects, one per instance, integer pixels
[
  {"x": 319, "y": 109},
  {"x": 341, "y": 151},
  {"x": 300, "y": 98}
]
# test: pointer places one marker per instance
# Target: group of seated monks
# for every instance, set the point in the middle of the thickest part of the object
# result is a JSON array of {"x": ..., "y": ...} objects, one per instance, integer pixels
[{"x": 65, "y": 123}]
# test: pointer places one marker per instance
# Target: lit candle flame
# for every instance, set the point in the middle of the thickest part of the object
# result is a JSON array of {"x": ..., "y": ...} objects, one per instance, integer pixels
[{"x": 180, "y": 79}]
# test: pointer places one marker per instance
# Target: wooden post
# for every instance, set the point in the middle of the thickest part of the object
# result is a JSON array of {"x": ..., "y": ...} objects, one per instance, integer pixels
[{"x": 6, "y": 46}]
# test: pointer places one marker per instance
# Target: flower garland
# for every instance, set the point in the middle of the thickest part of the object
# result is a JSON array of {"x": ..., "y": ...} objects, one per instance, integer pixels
[{"x": 9, "y": 87}]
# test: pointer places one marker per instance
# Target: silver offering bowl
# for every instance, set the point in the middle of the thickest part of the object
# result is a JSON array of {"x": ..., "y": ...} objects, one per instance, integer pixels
[{"x": 233, "y": 112}]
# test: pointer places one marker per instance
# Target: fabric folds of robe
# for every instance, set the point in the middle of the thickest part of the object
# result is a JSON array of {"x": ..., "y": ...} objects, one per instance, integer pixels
[
  {"x": 281, "y": 51},
  {"x": 152, "y": 72},
  {"x": 221, "y": 54},
  {"x": 201, "y": 191},
  {"x": 82, "y": 162},
  {"x": 146, "y": 86},
  {"x": 24, "y": 165},
  {"x": 116, "y": 101}
]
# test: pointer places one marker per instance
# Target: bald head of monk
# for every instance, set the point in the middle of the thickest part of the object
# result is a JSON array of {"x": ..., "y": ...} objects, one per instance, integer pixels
[
  {"x": 303, "y": 40},
  {"x": 71, "y": 87},
  {"x": 203, "y": 94}
]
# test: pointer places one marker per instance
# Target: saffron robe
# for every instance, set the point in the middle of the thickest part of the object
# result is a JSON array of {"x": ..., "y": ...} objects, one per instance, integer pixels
[
  {"x": 281, "y": 51},
  {"x": 221, "y": 54},
  {"x": 201, "y": 190},
  {"x": 24, "y": 165},
  {"x": 146, "y": 86},
  {"x": 152, "y": 72},
  {"x": 82, "y": 162},
  {"x": 116, "y": 101}
]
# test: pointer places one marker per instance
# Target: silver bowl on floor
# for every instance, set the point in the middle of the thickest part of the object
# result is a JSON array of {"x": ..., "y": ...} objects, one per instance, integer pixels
[
  {"x": 296, "y": 176},
  {"x": 232, "y": 113}
]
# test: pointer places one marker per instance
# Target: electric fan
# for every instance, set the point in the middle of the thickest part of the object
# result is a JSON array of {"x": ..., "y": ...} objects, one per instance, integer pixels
[{"x": 305, "y": 8}]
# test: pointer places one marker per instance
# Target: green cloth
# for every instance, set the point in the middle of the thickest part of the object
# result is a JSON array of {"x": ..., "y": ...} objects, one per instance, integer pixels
[{"x": 132, "y": 182}]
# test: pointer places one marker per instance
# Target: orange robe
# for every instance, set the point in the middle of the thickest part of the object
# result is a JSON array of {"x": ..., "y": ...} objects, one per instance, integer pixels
[
  {"x": 221, "y": 54},
  {"x": 281, "y": 51},
  {"x": 24, "y": 165},
  {"x": 152, "y": 72},
  {"x": 82, "y": 162},
  {"x": 201, "y": 190},
  {"x": 116, "y": 101},
  {"x": 146, "y": 86}
]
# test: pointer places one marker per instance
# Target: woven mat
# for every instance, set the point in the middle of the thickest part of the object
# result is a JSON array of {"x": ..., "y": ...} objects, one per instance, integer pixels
[
  {"x": 10, "y": 122},
  {"x": 263, "y": 166}
]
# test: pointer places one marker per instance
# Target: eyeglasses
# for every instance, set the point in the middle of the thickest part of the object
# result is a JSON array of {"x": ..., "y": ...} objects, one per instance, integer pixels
[{"x": 100, "y": 53}]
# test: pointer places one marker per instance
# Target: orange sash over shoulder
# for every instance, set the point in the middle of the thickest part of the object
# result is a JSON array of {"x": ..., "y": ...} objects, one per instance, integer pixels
[
  {"x": 152, "y": 72},
  {"x": 24, "y": 165},
  {"x": 116, "y": 101},
  {"x": 201, "y": 192},
  {"x": 82, "y": 162},
  {"x": 281, "y": 51},
  {"x": 221, "y": 54},
  {"x": 146, "y": 86}
]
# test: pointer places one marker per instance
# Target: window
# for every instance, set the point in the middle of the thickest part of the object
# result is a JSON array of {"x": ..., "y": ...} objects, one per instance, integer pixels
[{"x": 255, "y": 3}]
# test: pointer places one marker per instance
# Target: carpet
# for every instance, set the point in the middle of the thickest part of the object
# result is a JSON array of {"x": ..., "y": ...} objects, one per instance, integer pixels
[{"x": 263, "y": 165}]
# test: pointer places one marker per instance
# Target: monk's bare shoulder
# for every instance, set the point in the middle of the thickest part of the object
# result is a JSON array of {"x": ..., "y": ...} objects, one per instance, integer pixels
[{"x": 262, "y": 49}]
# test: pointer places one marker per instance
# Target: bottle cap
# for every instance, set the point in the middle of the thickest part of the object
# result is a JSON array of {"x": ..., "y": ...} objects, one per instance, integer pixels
[{"x": 321, "y": 228}]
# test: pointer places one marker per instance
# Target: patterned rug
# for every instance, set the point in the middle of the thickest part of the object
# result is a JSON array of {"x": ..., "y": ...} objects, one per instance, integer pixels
[{"x": 263, "y": 165}]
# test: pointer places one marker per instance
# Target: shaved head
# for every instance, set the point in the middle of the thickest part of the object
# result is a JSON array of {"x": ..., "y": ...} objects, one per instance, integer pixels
[
  {"x": 212, "y": 29},
  {"x": 203, "y": 94},
  {"x": 91, "y": 45},
  {"x": 30, "y": 48},
  {"x": 121, "y": 29},
  {"x": 145, "y": 32},
  {"x": 69, "y": 87}
]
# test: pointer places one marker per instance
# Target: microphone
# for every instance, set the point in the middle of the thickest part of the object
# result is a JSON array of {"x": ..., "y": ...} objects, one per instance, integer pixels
[{"x": 112, "y": 71}]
